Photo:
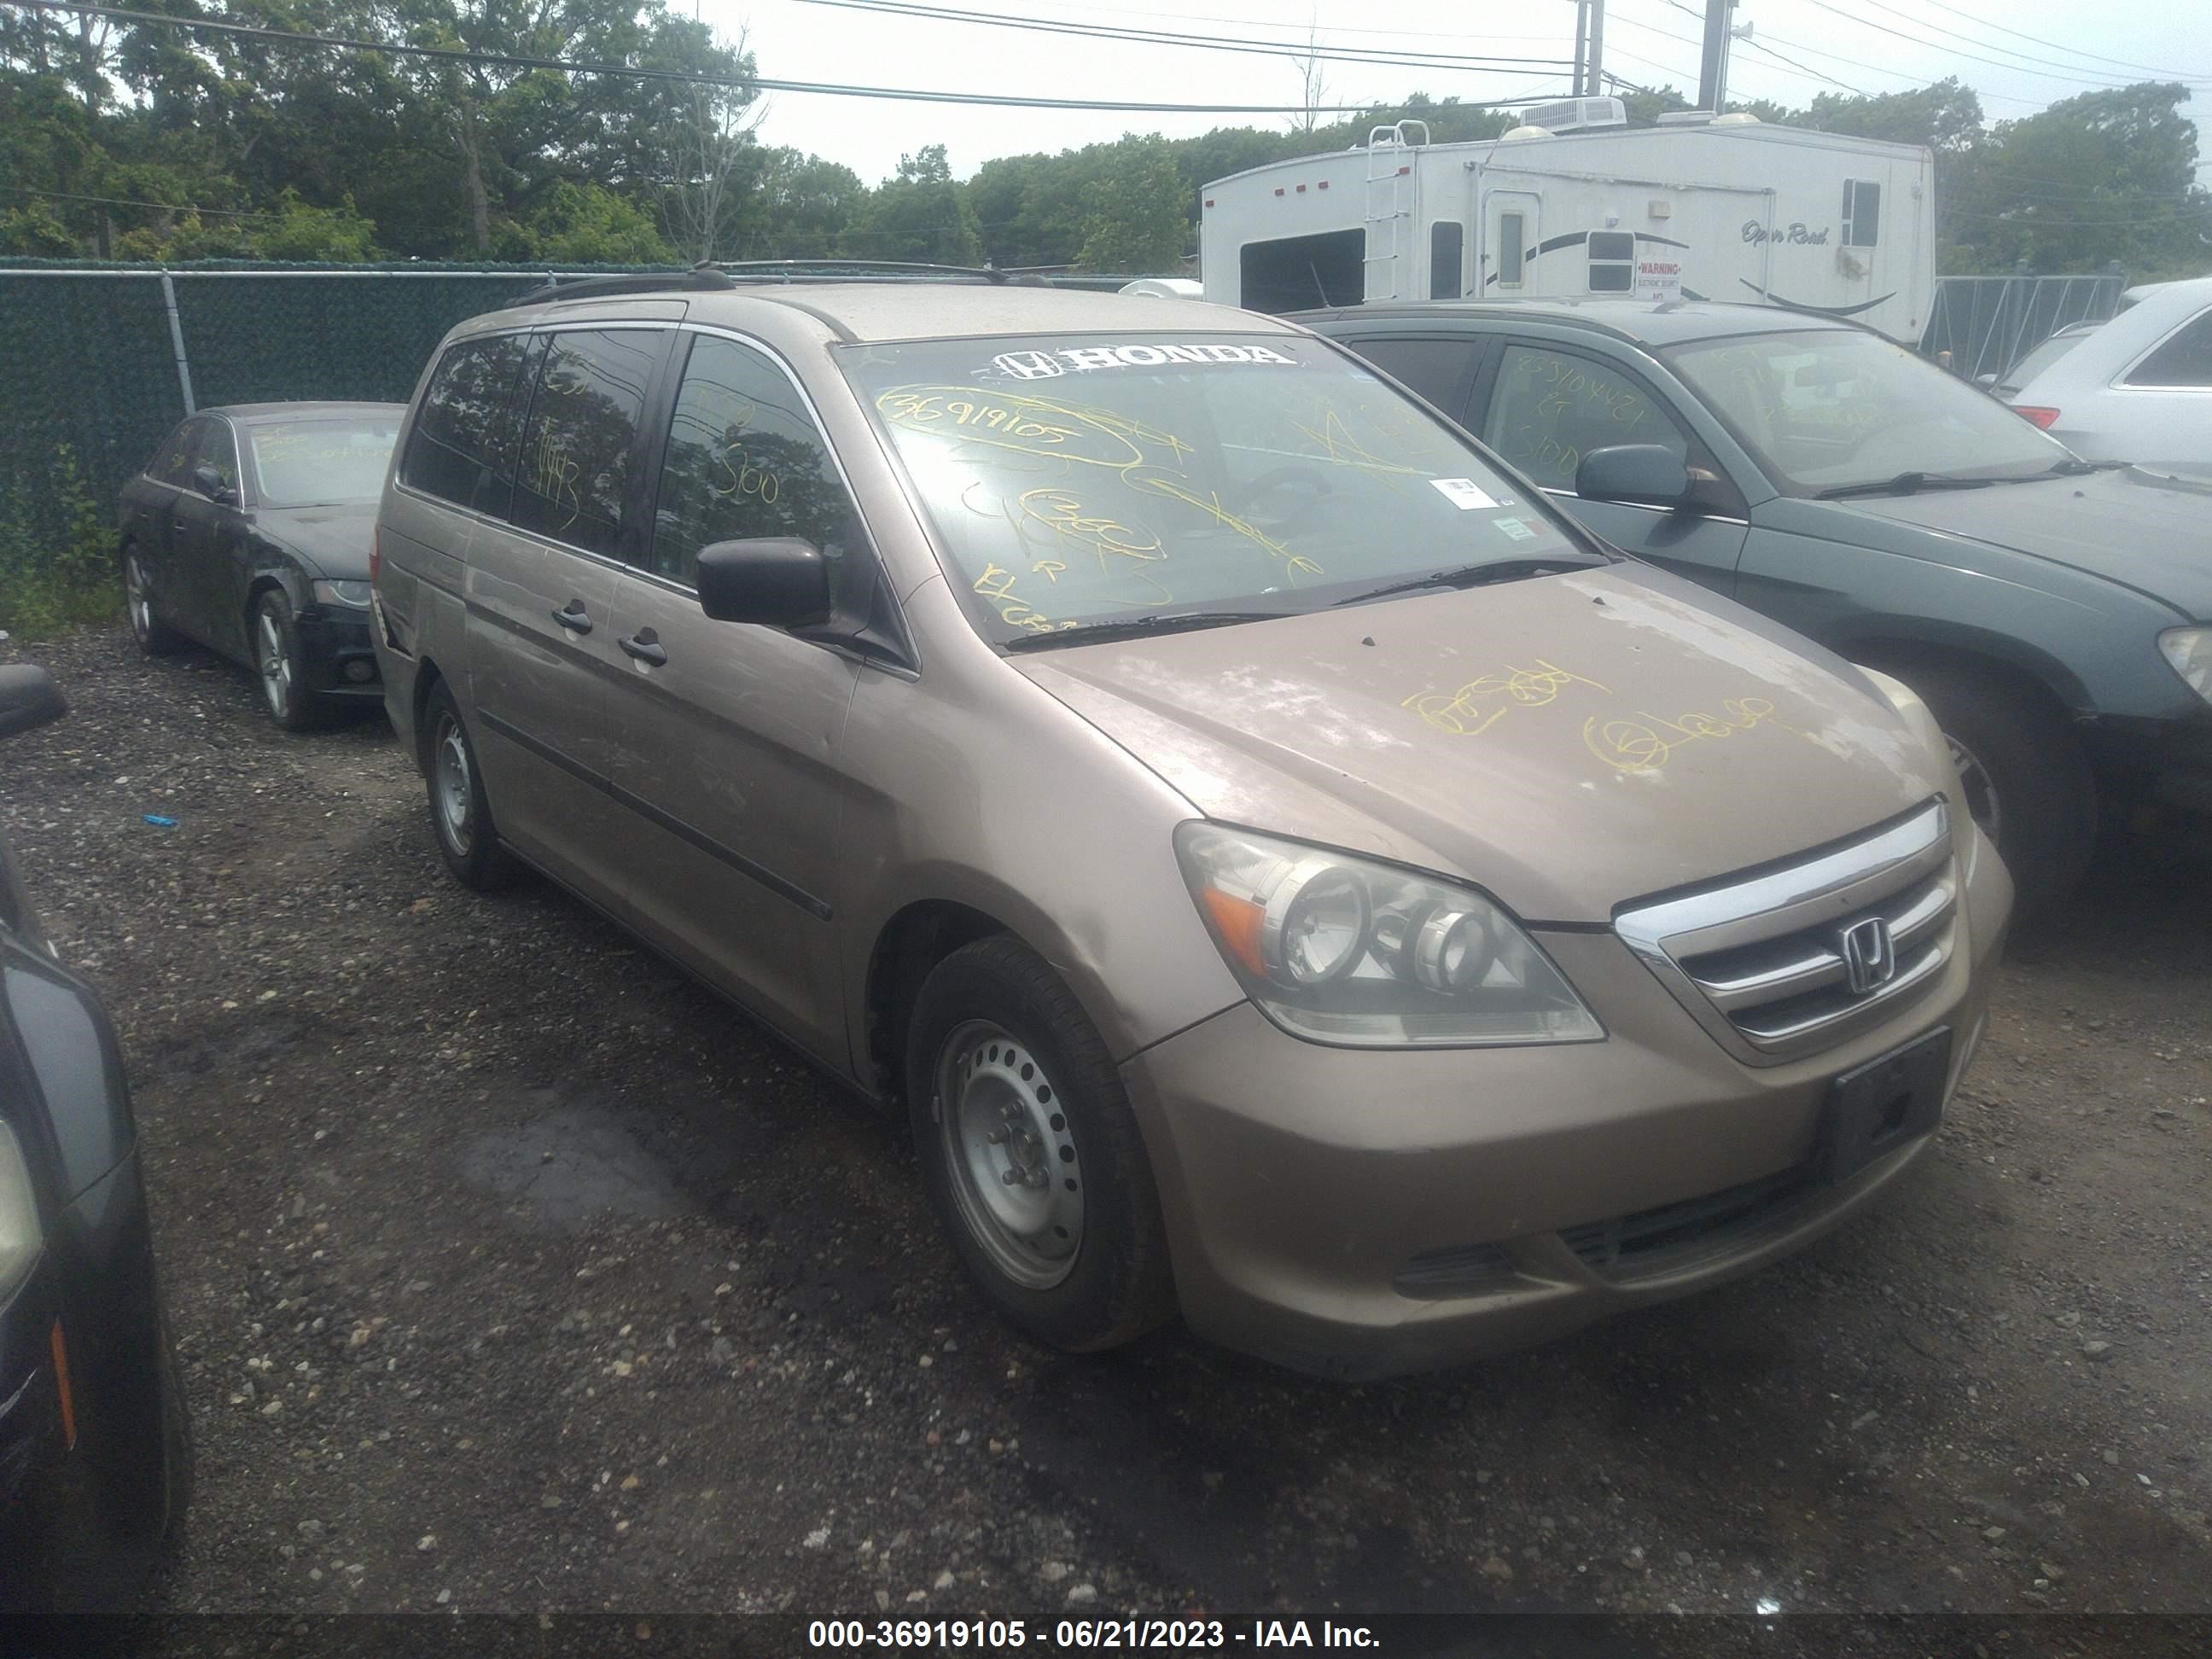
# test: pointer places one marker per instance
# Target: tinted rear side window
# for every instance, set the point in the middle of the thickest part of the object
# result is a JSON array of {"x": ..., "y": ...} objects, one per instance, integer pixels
[
  {"x": 464, "y": 445},
  {"x": 1435, "y": 369},
  {"x": 2184, "y": 360},
  {"x": 575, "y": 479}
]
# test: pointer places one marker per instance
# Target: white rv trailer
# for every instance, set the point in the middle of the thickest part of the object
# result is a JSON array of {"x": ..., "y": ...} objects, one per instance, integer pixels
[{"x": 1576, "y": 202}]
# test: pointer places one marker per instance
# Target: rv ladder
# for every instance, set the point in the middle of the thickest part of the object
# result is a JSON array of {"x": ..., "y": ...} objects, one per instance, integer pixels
[{"x": 1390, "y": 189}]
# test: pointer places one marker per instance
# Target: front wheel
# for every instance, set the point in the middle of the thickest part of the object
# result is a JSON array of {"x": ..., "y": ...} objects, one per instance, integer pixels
[
  {"x": 286, "y": 691},
  {"x": 2026, "y": 781},
  {"x": 1030, "y": 1152}
]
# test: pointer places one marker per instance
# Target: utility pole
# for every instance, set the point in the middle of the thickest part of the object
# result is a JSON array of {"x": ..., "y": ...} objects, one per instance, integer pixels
[
  {"x": 1713, "y": 66},
  {"x": 1582, "y": 44},
  {"x": 1597, "y": 45}
]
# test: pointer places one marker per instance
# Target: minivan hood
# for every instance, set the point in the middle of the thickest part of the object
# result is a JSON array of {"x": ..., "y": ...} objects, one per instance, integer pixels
[
  {"x": 2151, "y": 530},
  {"x": 1567, "y": 742},
  {"x": 334, "y": 539}
]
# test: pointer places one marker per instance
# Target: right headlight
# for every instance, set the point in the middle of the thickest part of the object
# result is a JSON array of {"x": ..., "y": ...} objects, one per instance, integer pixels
[
  {"x": 2190, "y": 651},
  {"x": 19, "y": 1238},
  {"x": 1344, "y": 949}
]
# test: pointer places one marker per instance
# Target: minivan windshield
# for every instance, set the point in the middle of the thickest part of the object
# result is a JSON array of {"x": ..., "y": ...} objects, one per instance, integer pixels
[
  {"x": 1081, "y": 480},
  {"x": 1829, "y": 409},
  {"x": 329, "y": 462}
]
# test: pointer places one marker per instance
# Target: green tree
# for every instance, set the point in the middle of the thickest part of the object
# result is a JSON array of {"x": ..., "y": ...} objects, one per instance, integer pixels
[
  {"x": 309, "y": 235},
  {"x": 590, "y": 224},
  {"x": 1135, "y": 219},
  {"x": 921, "y": 214}
]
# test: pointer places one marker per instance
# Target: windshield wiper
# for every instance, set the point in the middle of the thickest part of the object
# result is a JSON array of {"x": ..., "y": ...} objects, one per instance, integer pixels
[
  {"x": 1905, "y": 483},
  {"x": 1130, "y": 627},
  {"x": 1481, "y": 575}
]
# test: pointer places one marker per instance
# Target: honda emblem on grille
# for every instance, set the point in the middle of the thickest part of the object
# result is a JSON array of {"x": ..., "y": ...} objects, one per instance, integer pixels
[{"x": 1870, "y": 961}]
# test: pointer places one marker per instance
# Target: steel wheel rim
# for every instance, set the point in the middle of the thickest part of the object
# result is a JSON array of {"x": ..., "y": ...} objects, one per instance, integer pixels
[
  {"x": 276, "y": 666},
  {"x": 1983, "y": 803},
  {"x": 1011, "y": 1155},
  {"x": 134, "y": 595},
  {"x": 450, "y": 785}
]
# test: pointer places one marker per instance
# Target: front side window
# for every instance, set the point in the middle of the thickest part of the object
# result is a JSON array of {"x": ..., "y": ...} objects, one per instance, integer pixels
[
  {"x": 465, "y": 439},
  {"x": 1075, "y": 479},
  {"x": 2184, "y": 360},
  {"x": 1861, "y": 213},
  {"x": 574, "y": 482},
  {"x": 173, "y": 461},
  {"x": 1825, "y": 409},
  {"x": 1611, "y": 262},
  {"x": 746, "y": 459},
  {"x": 218, "y": 449},
  {"x": 322, "y": 463},
  {"x": 1552, "y": 408}
]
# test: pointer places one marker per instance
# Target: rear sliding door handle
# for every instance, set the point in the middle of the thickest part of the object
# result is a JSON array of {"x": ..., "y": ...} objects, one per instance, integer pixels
[
  {"x": 575, "y": 618},
  {"x": 644, "y": 648}
]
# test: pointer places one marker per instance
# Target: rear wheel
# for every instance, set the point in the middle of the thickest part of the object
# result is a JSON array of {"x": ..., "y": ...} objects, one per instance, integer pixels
[
  {"x": 1032, "y": 1154},
  {"x": 2026, "y": 781},
  {"x": 460, "y": 813},
  {"x": 154, "y": 637}
]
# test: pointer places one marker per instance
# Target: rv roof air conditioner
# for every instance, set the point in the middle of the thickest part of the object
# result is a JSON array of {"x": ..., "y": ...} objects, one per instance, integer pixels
[{"x": 1576, "y": 114}]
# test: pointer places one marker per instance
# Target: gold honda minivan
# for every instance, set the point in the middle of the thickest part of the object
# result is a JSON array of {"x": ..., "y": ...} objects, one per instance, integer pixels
[{"x": 1287, "y": 871}]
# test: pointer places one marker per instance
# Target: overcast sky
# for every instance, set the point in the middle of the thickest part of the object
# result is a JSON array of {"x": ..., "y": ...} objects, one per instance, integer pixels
[{"x": 1864, "y": 45}]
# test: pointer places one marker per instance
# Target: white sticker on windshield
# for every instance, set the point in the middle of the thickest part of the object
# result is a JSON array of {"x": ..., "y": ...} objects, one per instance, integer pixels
[
  {"x": 1520, "y": 529},
  {"x": 1046, "y": 365},
  {"x": 1462, "y": 493}
]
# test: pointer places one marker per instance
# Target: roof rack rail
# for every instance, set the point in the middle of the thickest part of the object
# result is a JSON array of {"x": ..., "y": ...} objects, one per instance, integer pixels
[
  {"x": 640, "y": 282},
  {"x": 854, "y": 270}
]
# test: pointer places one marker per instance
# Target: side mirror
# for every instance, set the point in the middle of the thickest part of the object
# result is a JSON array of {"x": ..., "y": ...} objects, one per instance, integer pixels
[
  {"x": 779, "y": 581},
  {"x": 28, "y": 698},
  {"x": 1633, "y": 472},
  {"x": 210, "y": 485}
]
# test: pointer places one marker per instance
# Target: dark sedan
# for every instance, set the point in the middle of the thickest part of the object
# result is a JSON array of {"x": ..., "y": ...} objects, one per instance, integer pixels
[
  {"x": 249, "y": 530},
  {"x": 95, "y": 1459}
]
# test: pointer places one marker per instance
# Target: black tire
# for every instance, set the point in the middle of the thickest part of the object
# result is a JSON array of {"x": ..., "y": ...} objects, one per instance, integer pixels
[
  {"x": 155, "y": 638},
  {"x": 2034, "y": 783},
  {"x": 280, "y": 668},
  {"x": 460, "y": 813},
  {"x": 179, "y": 1466},
  {"x": 1115, "y": 1282}
]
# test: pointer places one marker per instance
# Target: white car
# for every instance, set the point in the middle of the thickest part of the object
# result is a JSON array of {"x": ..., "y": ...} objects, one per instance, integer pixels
[{"x": 2137, "y": 388}]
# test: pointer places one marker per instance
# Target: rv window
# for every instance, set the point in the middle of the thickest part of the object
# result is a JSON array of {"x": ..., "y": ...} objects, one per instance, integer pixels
[
  {"x": 1445, "y": 242},
  {"x": 1512, "y": 231},
  {"x": 1301, "y": 272},
  {"x": 1861, "y": 213},
  {"x": 1611, "y": 262}
]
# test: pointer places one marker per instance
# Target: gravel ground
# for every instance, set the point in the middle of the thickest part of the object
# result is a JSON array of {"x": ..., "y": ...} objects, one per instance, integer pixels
[{"x": 511, "y": 1272}]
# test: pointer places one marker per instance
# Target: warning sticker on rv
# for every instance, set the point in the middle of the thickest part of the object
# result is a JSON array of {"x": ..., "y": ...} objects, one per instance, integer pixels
[
  {"x": 1462, "y": 493},
  {"x": 1658, "y": 279},
  {"x": 1075, "y": 360}
]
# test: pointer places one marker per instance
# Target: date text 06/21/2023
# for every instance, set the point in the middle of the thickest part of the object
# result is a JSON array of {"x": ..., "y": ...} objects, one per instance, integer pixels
[{"x": 1017, "y": 1634}]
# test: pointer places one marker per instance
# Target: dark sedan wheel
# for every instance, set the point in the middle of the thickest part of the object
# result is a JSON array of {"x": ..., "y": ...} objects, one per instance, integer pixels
[
  {"x": 2026, "y": 781},
  {"x": 1030, "y": 1152},
  {"x": 155, "y": 638},
  {"x": 460, "y": 814},
  {"x": 285, "y": 687}
]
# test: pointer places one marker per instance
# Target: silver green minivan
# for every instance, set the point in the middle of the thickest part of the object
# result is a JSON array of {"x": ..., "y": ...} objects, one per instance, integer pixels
[{"x": 1288, "y": 872}]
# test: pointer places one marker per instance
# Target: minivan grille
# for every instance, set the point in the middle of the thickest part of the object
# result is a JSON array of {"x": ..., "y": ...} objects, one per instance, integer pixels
[{"x": 1787, "y": 963}]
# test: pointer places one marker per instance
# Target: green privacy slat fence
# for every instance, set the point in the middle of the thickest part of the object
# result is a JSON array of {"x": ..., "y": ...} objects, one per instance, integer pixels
[{"x": 86, "y": 359}]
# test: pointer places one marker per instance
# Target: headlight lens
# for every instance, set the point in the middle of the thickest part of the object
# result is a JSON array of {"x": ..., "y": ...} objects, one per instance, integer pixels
[
  {"x": 353, "y": 595},
  {"x": 19, "y": 1217},
  {"x": 2190, "y": 651},
  {"x": 1345, "y": 950}
]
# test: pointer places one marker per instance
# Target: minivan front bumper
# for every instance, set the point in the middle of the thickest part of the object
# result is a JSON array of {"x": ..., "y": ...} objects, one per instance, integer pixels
[{"x": 1361, "y": 1213}]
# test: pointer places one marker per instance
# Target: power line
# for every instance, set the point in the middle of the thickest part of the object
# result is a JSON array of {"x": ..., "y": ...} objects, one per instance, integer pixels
[
  {"x": 2002, "y": 28},
  {"x": 137, "y": 202},
  {"x": 1892, "y": 30},
  {"x": 2009, "y": 51},
  {"x": 912, "y": 8},
  {"x": 687, "y": 77}
]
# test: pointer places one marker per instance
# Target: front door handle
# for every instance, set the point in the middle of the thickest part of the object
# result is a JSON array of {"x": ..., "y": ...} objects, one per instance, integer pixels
[
  {"x": 575, "y": 618},
  {"x": 644, "y": 648}
]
